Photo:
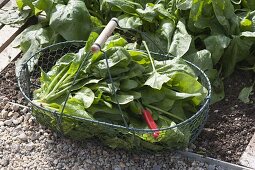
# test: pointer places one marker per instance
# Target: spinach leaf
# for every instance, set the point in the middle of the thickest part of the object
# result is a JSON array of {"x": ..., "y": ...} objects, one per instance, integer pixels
[
  {"x": 237, "y": 51},
  {"x": 181, "y": 40},
  {"x": 75, "y": 107},
  {"x": 216, "y": 45},
  {"x": 202, "y": 59},
  {"x": 86, "y": 95},
  {"x": 147, "y": 14},
  {"x": 155, "y": 80},
  {"x": 126, "y": 21},
  {"x": 71, "y": 21},
  {"x": 127, "y": 6},
  {"x": 224, "y": 12}
]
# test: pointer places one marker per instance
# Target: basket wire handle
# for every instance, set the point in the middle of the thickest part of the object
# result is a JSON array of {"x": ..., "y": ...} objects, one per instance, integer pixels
[
  {"x": 97, "y": 46},
  {"x": 113, "y": 89},
  {"x": 105, "y": 34}
]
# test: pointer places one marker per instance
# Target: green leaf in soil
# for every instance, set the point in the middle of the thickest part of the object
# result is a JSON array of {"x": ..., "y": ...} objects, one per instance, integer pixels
[
  {"x": 218, "y": 92},
  {"x": 202, "y": 16},
  {"x": 44, "y": 5},
  {"x": 245, "y": 93}
]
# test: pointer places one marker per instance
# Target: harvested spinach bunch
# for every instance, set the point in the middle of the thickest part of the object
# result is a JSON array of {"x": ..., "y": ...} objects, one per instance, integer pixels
[{"x": 168, "y": 89}]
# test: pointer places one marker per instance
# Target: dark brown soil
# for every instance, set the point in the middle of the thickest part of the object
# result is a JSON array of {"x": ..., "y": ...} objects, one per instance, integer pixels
[
  {"x": 231, "y": 123},
  {"x": 9, "y": 86},
  {"x": 230, "y": 126}
]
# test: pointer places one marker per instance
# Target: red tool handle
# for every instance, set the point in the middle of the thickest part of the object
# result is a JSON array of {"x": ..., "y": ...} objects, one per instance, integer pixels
[{"x": 150, "y": 122}]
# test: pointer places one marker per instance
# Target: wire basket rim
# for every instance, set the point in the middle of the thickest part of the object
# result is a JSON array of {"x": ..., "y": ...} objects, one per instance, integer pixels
[{"x": 202, "y": 108}]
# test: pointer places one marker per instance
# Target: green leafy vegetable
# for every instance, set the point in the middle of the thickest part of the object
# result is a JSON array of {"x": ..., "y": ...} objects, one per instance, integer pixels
[
  {"x": 245, "y": 93},
  {"x": 72, "y": 21},
  {"x": 172, "y": 94}
]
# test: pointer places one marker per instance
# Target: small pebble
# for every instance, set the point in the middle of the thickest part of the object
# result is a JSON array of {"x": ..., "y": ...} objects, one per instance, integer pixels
[
  {"x": 15, "y": 148},
  {"x": 24, "y": 110},
  {"x": 55, "y": 161},
  {"x": 4, "y": 114},
  {"x": 29, "y": 146},
  {"x": 22, "y": 136},
  {"x": 15, "y": 107},
  {"x": 4, "y": 162},
  {"x": 7, "y": 75},
  {"x": 211, "y": 167},
  {"x": 8, "y": 122}
]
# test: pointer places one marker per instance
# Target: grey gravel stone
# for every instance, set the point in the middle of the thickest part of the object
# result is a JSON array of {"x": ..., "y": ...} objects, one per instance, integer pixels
[
  {"x": 24, "y": 110},
  {"x": 8, "y": 122},
  {"x": 15, "y": 107},
  {"x": 4, "y": 162},
  {"x": 22, "y": 136},
  {"x": 17, "y": 121},
  {"x": 15, "y": 148},
  {"x": 32, "y": 146},
  {"x": 3, "y": 114},
  {"x": 211, "y": 167},
  {"x": 29, "y": 146}
]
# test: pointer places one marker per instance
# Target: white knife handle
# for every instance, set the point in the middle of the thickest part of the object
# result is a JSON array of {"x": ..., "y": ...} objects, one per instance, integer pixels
[{"x": 105, "y": 34}]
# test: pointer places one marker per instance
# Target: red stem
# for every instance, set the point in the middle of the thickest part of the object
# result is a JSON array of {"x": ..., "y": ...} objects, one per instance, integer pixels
[{"x": 150, "y": 122}]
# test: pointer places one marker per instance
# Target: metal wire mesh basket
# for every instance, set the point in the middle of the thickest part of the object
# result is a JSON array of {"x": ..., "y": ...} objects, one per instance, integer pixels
[{"x": 82, "y": 128}]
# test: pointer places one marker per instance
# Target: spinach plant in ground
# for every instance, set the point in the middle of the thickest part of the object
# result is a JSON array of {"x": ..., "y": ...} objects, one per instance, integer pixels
[
  {"x": 216, "y": 35},
  {"x": 168, "y": 89}
]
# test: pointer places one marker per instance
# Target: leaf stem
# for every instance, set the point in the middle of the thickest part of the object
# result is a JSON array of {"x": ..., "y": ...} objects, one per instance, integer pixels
[
  {"x": 51, "y": 97},
  {"x": 54, "y": 81},
  {"x": 148, "y": 51}
]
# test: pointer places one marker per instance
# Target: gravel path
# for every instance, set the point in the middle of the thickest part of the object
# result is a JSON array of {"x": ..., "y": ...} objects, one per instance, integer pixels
[{"x": 27, "y": 145}]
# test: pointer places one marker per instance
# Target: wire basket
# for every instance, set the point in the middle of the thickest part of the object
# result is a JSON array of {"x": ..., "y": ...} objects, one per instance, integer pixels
[{"x": 81, "y": 128}]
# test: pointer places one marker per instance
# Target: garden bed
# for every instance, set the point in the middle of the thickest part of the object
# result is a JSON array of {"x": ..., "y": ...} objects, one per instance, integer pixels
[{"x": 230, "y": 125}]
